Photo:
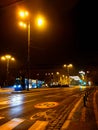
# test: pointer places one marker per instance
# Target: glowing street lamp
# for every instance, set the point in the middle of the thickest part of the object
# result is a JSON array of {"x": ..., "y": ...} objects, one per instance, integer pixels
[
  {"x": 58, "y": 74},
  {"x": 40, "y": 21},
  {"x": 24, "y": 15},
  {"x": 25, "y": 23},
  {"x": 22, "y": 24},
  {"x": 7, "y": 58},
  {"x": 68, "y": 67}
]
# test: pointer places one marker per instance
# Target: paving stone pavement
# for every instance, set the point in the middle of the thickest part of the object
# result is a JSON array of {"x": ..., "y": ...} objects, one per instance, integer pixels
[{"x": 84, "y": 118}]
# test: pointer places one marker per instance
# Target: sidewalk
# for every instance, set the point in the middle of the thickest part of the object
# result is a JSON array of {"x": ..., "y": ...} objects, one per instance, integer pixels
[{"x": 85, "y": 118}]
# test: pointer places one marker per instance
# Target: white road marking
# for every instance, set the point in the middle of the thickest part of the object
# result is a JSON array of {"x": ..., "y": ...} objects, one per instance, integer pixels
[
  {"x": 39, "y": 125},
  {"x": 1, "y": 117},
  {"x": 67, "y": 122},
  {"x": 4, "y": 102},
  {"x": 11, "y": 124}
]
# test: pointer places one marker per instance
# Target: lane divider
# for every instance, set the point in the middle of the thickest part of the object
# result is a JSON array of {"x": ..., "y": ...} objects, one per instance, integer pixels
[{"x": 67, "y": 122}]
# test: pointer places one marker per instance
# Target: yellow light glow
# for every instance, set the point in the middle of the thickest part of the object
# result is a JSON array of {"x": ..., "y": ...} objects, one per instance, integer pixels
[
  {"x": 3, "y": 58},
  {"x": 40, "y": 21},
  {"x": 57, "y": 73},
  {"x": 27, "y": 13},
  {"x": 13, "y": 59},
  {"x": 8, "y": 56},
  {"x": 23, "y": 14},
  {"x": 70, "y": 65},
  {"x": 65, "y": 65},
  {"x": 51, "y": 73},
  {"x": 22, "y": 24}
]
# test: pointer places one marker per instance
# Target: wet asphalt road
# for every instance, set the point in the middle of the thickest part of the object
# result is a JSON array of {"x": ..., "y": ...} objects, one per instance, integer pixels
[{"x": 43, "y": 106}]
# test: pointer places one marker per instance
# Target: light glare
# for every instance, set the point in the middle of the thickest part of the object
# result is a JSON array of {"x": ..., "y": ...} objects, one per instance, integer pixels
[
  {"x": 8, "y": 56},
  {"x": 2, "y": 58},
  {"x": 40, "y": 22},
  {"x": 23, "y": 14},
  {"x": 22, "y": 24},
  {"x": 12, "y": 58}
]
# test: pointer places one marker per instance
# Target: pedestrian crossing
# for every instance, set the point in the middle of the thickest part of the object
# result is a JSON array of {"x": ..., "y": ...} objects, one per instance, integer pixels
[
  {"x": 39, "y": 125},
  {"x": 1, "y": 117},
  {"x": 15, "y": 122},
  {"x": 11, "y": 124}
]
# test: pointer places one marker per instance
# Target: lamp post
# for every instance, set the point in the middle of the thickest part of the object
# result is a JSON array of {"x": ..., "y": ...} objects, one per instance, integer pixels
[
  {"x": 58, "y": 77},
  {"x": 28, "y": 53},
  {"x": 68, "y": 74},
  {"x": 25, "y": 16},
  {"x": 7, "y": 58}
]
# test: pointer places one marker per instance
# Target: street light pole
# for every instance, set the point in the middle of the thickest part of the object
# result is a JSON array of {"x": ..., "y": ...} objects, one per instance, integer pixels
[
  {"x": 68, "y": 74},
  {"x": 7, "y": 58},
  {"x": 28, "y": 58},
  {"x": 67, "y": 67},
  {"x": 7, "y": 69},
  {"x": 26, "y": 23}
]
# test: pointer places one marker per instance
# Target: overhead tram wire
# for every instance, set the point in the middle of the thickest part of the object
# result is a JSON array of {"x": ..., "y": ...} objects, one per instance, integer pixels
[{"x": 10, "y": 3}]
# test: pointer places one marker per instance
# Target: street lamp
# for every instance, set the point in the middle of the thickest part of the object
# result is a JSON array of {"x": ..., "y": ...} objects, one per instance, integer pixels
[
  {"x": 68, "y": 67},
  {"x": 7, "y": 58},
  {"x": 57, "y": 76},
  {"x": 26, "y": 17}
]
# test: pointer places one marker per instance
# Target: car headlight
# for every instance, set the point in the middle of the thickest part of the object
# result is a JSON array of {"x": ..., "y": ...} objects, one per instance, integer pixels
[
  {"x": 19, "y": 86},
  {"x": 15, "y": 86}
]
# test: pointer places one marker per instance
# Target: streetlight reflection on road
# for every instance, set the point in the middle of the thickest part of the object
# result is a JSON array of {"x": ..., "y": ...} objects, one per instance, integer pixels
[{"x": 26, "y": 23}]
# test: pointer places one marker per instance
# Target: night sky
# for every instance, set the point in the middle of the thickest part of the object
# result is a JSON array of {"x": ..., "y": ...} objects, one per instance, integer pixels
[{"x": 69, "y": 37}]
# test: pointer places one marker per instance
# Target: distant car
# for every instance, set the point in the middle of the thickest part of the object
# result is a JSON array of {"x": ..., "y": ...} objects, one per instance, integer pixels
[{"x": 66, "y": 85}]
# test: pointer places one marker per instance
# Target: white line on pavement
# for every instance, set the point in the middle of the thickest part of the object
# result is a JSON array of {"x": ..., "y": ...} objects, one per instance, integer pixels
[
  {"x": 39, "y": 125},
  {"x": 67, "y": 122},
  {"x": 11, "y": 124}
]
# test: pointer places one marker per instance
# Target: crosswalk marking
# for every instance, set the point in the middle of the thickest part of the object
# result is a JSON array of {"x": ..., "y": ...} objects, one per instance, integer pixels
[
  {"x": 11, "y": 124},
  {"x": 1, "y": 117},
  {"x": 39, "y": 125}
]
